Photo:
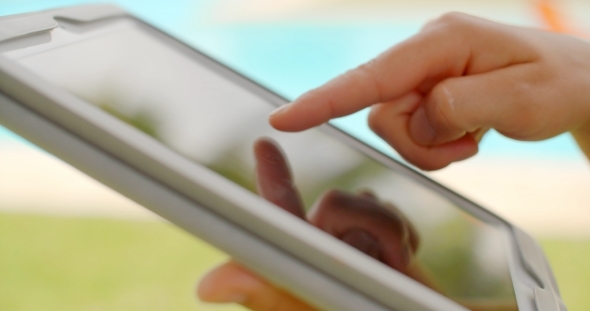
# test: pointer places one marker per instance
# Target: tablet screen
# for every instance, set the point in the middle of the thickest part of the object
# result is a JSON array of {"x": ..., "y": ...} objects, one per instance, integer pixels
[{"x": 201, "y": 115}]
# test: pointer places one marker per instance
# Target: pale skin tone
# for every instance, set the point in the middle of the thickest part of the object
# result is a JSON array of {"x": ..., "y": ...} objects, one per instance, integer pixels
[{"x": 432, "y": 98}]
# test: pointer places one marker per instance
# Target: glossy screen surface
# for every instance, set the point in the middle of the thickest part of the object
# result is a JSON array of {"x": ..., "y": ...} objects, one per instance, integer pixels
[{"x": 208, "y": 119}]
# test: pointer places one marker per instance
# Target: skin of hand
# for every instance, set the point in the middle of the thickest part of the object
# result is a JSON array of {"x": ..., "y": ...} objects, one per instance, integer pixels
[
  {"x": 433, "y": 96},
  {"x": 361, "y": 220}
]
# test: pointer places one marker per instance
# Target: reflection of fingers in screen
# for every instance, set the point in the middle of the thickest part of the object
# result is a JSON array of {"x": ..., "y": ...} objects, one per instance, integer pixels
[{"x": 362, "y": 220}]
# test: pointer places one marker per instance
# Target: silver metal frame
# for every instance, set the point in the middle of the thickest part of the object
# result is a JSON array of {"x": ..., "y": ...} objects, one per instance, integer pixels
[{"x": 285, "y": 250}]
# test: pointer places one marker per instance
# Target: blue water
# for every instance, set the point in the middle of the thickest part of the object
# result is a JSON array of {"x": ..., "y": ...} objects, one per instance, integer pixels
[{"x": 291, "y": 58}]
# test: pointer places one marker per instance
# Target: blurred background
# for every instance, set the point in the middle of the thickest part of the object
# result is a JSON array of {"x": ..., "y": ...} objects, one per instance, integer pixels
[{"x": 68, "y": 242}]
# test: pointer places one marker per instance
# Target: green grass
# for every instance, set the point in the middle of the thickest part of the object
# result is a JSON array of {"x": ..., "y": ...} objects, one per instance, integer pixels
[
  {"x": 52, "y": 263},
  {"x": 570, "y": 261},
  {"x": 49, "y": 263}
]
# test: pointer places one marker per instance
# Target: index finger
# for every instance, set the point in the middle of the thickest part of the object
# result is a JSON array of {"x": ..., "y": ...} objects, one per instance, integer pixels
[
  {"x": 390, "y": 75},
  {"x": 449, "y": 47}
]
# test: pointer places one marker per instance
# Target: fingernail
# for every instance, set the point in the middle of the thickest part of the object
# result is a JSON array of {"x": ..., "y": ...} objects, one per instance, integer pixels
[
  {"x": 279, "y": 110},
  {"x": 421, "y": 131}
]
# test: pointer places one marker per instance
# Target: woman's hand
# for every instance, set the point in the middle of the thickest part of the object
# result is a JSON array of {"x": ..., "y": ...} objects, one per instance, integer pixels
[
  {"x": 361, "y": 220},
  {"x": 434, "y": 95}
]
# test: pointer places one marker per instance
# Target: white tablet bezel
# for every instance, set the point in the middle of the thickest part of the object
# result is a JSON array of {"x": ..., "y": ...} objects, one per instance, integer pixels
[{"x": 331, "y": 275}]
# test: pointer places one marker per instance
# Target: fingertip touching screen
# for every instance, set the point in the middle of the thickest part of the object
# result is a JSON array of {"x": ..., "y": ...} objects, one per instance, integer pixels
[{"x": 198, "y": 113}]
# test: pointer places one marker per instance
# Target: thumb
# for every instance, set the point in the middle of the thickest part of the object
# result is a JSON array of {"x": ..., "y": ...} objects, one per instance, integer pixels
[{"x": 458, "y": 106}]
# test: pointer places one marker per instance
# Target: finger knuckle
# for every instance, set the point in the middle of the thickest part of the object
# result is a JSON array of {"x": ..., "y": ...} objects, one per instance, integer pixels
[
  {"x": 451, "y": 24},
  {"x": 453, "y": 18},
  {"x": 320, "y": 214},
  {"x": 424, "y": 161},
  {"x": 332, "y": 196},
  {"x": 382, "y": 123},
  {"x": 375, "y": 120},
  {"x": 368, "y": 66},
  {"x": 441, "y": 109}
]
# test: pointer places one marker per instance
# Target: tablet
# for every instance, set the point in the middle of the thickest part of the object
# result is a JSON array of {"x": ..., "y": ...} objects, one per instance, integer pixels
[{"x": 173, "y": 129}]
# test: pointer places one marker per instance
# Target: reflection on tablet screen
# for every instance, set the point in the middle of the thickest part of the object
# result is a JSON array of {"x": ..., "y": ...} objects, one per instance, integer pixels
[{"x": 206, "y": 118}]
